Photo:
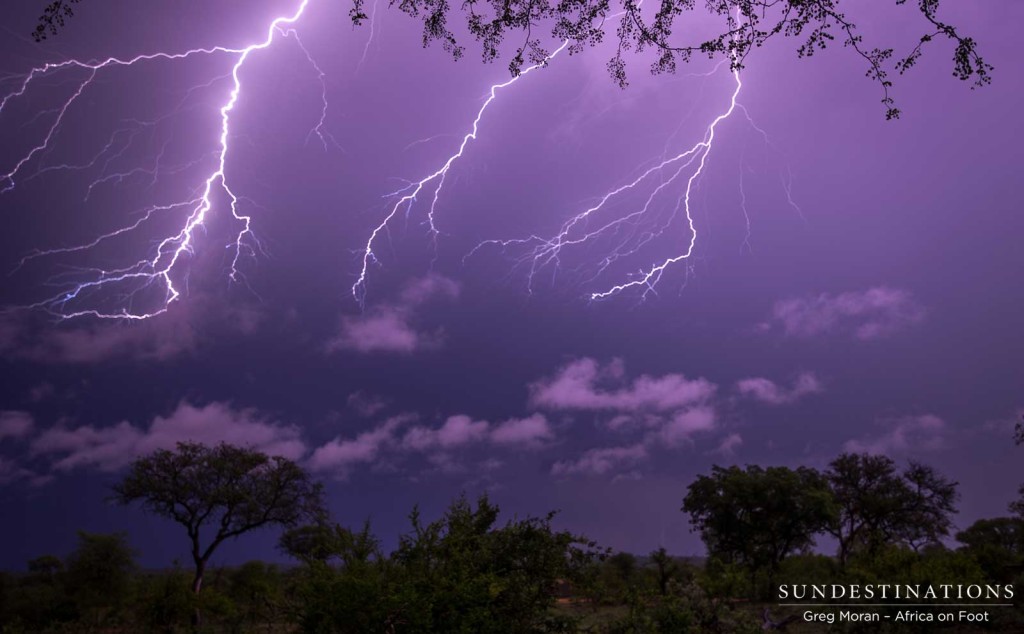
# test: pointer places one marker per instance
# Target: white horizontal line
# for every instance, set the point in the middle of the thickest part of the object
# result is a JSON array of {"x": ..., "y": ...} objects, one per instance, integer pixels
[{"x": 896, "y": 604}]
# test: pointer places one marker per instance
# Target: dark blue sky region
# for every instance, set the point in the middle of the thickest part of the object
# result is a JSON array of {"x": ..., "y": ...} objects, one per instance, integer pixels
[{"x": 854, "y": 284}]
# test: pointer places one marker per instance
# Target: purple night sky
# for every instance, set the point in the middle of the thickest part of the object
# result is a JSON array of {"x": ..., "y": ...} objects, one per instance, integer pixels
[{"x": 854, "y": 283}]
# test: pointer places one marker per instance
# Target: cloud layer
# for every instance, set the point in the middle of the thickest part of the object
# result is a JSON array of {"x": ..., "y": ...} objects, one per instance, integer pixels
[
  {"x": 585, "y": 385},
  {"x": 665, "y": 411},
  {"x": 871, "y": 314},
  {"x": 398, "y": 437},
  {"x": 111, "y": 448}
]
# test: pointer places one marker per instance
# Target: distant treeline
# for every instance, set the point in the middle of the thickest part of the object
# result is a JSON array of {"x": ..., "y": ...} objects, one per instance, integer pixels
[{"x": 470, "y": 572}]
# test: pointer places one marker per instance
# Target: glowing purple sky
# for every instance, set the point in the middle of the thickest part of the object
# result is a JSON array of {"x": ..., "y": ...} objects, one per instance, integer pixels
[{"x": 872, "y": 304}]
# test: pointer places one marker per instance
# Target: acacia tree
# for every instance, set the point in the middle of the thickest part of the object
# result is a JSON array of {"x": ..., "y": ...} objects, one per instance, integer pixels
[
  {"x": 755, "y": 516},
  {"x": 53, "y": 18},
  {"x": 231, "y": 490},
  {"x": 929, "y": 506},
  {"x": 746, "y": 25},
  {"x": 878, "y": 505}
]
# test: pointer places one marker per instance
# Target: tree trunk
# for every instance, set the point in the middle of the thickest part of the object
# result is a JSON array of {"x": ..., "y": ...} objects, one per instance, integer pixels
[
  {"x": 844, "y": 552},
  {"x": 197, "y": 585}
]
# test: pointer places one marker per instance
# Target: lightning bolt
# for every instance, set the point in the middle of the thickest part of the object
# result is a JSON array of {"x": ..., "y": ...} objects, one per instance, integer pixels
[
  {"x": 625, "y": 229},
  {"x": 648, "y": 279},
  {"x": 408, "y": 195},
  {"x": 159, "y": 269},
  {"x": 628, "y": 232}
]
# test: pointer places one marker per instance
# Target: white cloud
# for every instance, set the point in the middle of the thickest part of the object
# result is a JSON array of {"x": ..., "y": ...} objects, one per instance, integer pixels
[
  {"x": 771, "y": 393},
  {"x": 525, "y": 432},
  {"x": 342, "y": 455},
  {"x": 456, "y": 431},
  {"x": 391, "y": 327},
  {"x": 580, "y": 385},
  {"x": 684, "y": 424},
  {"x": 437, "y": 445},
  {"x": 668, "y": 410},
  {"x": 870, "y": 314}
]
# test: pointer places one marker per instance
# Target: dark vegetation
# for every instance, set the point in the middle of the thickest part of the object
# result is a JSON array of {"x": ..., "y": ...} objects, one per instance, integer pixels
[
  {"x": 536, "y": 25},
  {"x": 470, "y": 571}
]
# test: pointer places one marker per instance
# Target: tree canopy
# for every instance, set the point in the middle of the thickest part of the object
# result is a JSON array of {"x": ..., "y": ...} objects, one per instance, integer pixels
[
  {"x": 231, "y": 489},
  {"x": 464, "y": 572},
  {"x": 757, "y": 516},
  {"x": 878, "y": 505},
  {"x": 745, "y": 25},
  {"x": 53, "y": 18},
  {"x": 996, "y": 543}
]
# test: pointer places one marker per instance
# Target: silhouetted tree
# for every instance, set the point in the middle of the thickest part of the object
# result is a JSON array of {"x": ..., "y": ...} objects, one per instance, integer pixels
[
  {"x": 98, "y": 575},
  {"x": 464, "y": 572},
  {"x": 233, "y": 490},
  {"x": 165, "y": 602},
  {"x": 997, "y": 543},
  {"x": 472, "y": 575},
  {"x": 623, "y": 569},
  {"x": 755, "y": 516},
  {"x": 38, "y": 601},
  {"x": 310, "y": 543},
  {"x": 746, "y": 25},
  {"x": 256, "y": 590},
  {"x": 53, "y": 18},
  {"x": 930, "y": 504},
  {"x": 878, "y": 505},
  {"x": 45, "y": 568},
  {"x": 665, "y": 568},
  {"x": 1017, "y": 506}
]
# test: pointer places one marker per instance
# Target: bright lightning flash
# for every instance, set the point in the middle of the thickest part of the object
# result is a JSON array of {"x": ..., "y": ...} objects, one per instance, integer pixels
[
  {"x": 161, "y": 268},
  {"x": 626, "y": 231},
  {"x": 407, "y": 196}
]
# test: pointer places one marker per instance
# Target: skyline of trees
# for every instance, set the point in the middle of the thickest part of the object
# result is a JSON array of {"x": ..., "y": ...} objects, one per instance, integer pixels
[{"x": 469, "y": 571}]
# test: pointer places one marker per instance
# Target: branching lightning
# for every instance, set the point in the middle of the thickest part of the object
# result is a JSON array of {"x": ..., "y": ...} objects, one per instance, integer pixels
[
  {"x": 159, "y": 268},
  {"x": 649, "y": 278},
  {"x": 161, "y": 273},
  {"x": 629, "y": 231},
  {"x": 408, "y": 195}
]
